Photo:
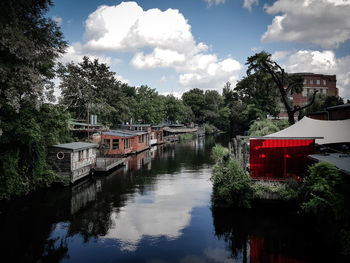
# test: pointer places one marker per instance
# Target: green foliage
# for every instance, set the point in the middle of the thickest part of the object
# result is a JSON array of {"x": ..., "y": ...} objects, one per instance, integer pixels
[
  {"x": 262, "y": 128},
  {"x": 148, "y": 106},
  {"x": 261, "y": 64},
  {"x": 195, "y": 99},
  {"x": 258, "y": 89},
  {"x": 322, "y": 195},
  {"x": 209, "y": 129},
  {"x": 288, "y": 190},
  {"x": 29, "y": 44},
  {"x": 219, "y": 153},
  {"x": 186, "y": 136},
  {"x": 91, "y": 86},
  {"x": 23, "y": 144},
  {"x": 231, "y": 184}
]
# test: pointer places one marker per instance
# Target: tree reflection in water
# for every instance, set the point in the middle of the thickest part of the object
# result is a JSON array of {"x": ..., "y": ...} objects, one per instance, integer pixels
[{"x": 274, "y": 235}]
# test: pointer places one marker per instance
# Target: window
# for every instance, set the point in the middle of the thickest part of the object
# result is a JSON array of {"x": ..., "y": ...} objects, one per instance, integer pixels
[
  {"x": 318, "y": 82},
  {"x": 304, "y": 81},
  {"x": 87, "y": 154},
  {"x": 107, "y": 142},
  {"x": 143, "y": 138},
  {"x": 60, "y": 155},
  {"x": 126, "y": 143},
  {"x": 311, "y": 81},
  {"x": 139, "y": 138},
  {"x": 324, "y": 82},
  {"x": 81, "y": 155},
  {"x": 304, "y": 92},
  {"x": 115, "y": 144}
]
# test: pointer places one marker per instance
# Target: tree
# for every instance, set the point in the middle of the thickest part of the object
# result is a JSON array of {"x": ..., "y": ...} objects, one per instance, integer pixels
[
  {"x": 176, "y": 111},
  {"x": 29, "y": 45},
  {"x": 91, "y": 86},
  {"x": 286, "y": 83},
  {"x": 195, "y": 99},
  {"x": 148, "y": 106},
  {"x": 259, "y": 90}
]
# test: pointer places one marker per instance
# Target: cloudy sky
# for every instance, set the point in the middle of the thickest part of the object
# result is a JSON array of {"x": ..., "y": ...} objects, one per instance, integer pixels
[{"x": 176, "y": 45}]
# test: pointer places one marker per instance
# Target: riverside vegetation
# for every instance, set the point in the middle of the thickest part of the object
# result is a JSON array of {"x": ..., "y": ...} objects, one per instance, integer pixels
[{"x": 322, "y": 195}]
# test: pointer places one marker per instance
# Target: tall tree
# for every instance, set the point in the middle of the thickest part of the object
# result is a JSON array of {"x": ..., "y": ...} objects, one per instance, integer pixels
[
  {"x": 286, "y": 83},
  {"x": 195, "y": 99},
  {"x": 29, "y": 46},
  {"x": 258, "y": 89},
  {"x": 148, "y": 106},
  {"x": 91, "y": 86}
]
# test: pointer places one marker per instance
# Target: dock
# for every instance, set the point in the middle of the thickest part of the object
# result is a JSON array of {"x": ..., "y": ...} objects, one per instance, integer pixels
[{"x": 104, "y": 164}]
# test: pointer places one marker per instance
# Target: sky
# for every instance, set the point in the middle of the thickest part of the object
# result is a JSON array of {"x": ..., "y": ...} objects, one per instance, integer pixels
[{"x": 176, "y": 45}]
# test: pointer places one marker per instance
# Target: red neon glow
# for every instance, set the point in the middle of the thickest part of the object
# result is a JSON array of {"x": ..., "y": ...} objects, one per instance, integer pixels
[{"x": 277, "y": 159}]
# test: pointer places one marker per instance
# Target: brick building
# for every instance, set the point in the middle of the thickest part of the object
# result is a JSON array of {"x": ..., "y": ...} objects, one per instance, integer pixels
[{"x": 325, "y": 84}]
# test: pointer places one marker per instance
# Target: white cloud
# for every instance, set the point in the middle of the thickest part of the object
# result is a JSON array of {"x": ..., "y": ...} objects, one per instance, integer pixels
[
  {"x": 177, "y": 95},
  {"x": 163, "y": 79},
  {"x": 122, "y": 79},
  {"x": 58, "y": 20},
  {"x": 322, "y": 22},
  {"x": 164, "y": 212},
  {"x": 248, "y": 4},
  {"x": 128, "y": 28},
  {"x": 157, "y": 59},
  {"x": 279, "y": 55},
  {"x": 76, "y": 52},
  {"x": 322, "y": 62},
  {"x": 215, "y": 2}
]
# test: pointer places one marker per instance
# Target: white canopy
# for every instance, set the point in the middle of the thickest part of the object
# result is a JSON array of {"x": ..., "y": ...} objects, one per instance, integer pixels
[{"x": 331, "y": 131}]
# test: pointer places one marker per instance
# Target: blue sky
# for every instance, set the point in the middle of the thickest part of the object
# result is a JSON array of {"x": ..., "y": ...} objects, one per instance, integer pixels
[{"x": 176, "y": 45}]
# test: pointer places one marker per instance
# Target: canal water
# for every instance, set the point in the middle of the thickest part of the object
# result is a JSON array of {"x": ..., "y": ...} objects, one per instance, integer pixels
[{"x": 155, "y": 209}]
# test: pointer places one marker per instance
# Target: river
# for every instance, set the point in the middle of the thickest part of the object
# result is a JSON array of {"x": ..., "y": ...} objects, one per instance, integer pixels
[{"x": 155, "y": 209}]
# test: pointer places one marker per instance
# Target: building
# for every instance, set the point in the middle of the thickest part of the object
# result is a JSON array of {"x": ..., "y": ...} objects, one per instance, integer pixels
[
  {"x": 339, "y": 112},
  {"x": 125, "y": 142},
  {"x": 73, "y": 160},
  {"x": 325, "y": 84}
]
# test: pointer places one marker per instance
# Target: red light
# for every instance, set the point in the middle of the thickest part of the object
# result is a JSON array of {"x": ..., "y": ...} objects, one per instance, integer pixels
[
  {"x": 262, "y": 155},
  {"x": 287, "y": 155}
]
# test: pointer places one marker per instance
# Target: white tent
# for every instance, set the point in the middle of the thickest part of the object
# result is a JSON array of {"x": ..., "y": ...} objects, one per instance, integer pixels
[{"x": 331, "y": 131}]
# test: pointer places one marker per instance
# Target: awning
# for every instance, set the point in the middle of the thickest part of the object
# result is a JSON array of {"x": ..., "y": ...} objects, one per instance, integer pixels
[{"x": 331, "y": 131}]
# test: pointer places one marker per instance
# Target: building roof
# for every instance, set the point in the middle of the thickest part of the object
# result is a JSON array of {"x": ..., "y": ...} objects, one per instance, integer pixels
[
  {"x": 76, "y": 146},
  {"x": 84, "y": 124},
  {"x": 331, "y": 131},
  {"x": 341, "y": 161},
  {"x": 347, "y": 105},
  {"x": 124, "y": 133}
]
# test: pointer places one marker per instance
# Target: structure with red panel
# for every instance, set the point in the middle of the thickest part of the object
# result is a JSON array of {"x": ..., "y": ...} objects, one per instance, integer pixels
[{"x": 280, "y": 158}]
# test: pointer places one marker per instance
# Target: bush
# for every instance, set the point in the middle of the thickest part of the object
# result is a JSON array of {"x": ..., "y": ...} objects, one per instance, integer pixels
[
  {"x": 265, "y": 127},
  {"x": 321, "y": 192},
  {"x": 231, "y": 184},
  {"x": 186, "y": 136}
]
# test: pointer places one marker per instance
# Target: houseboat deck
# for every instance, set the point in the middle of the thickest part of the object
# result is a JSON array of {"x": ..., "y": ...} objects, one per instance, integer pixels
[{"x": 104, "y": 164}]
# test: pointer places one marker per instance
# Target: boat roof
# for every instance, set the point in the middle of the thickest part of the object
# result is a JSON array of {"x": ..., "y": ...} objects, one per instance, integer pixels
[{"x": 76, "y": 146}]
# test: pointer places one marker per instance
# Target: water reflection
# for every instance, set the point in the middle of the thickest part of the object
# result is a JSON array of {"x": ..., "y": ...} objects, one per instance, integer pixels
[
  {"x": 155, "y": 209},
  {"x": 274, "y": 235}
]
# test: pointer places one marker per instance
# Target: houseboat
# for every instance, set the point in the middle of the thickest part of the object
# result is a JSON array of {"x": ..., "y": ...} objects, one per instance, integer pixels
[
  {"x": 157, "y": 135},
  {"x": 124, "y": 142},
  {"x": 73, "y": 160}
]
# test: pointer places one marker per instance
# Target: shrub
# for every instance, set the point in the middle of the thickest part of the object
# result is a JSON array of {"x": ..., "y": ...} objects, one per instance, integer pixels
[
  {"x": 231, "y": 184},
  {"x": 321, "y": 192}
]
